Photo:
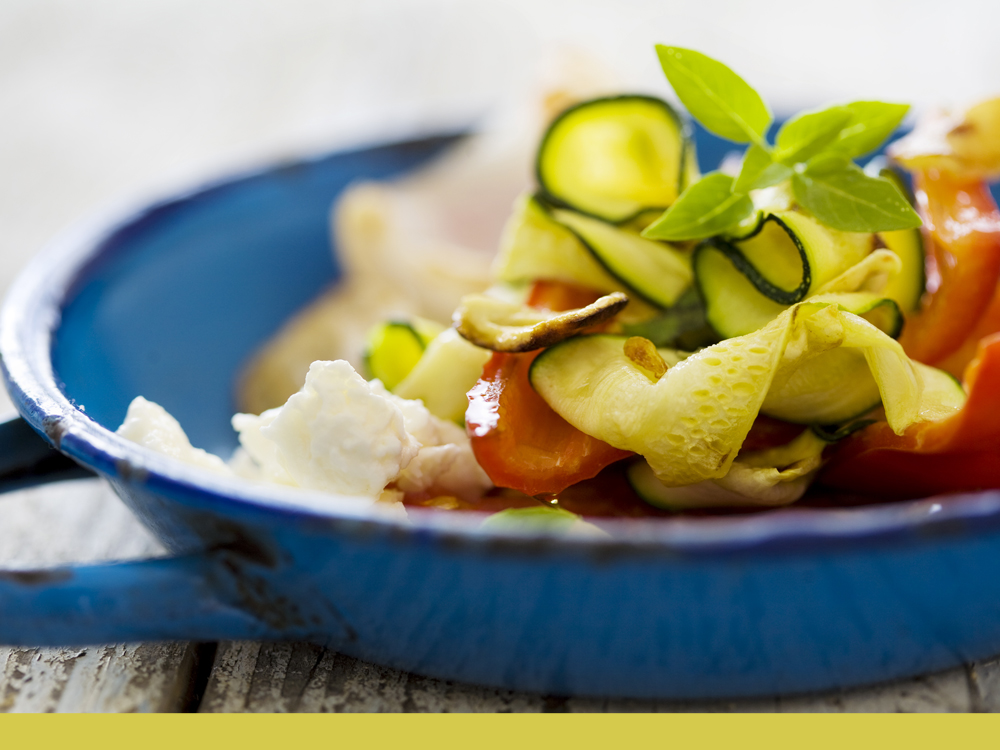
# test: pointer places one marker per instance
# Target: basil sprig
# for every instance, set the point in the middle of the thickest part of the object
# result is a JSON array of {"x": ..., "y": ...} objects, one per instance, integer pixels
[
  {"x": 813, "y": 150},
  {"x": 714, "y": 95},
  {"x": 712, "y": 207}
]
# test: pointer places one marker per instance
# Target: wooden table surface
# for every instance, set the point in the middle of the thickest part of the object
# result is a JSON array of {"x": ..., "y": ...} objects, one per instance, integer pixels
[{"x": 108, "y": 101}]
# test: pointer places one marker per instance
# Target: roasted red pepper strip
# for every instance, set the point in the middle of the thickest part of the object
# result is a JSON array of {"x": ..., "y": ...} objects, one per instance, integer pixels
[
  {"x": 989, "y": 323},
  {"x": 962, "y": 227},
  {"x": 961, "y": 453},
  {"x": 517, "y": 438}
]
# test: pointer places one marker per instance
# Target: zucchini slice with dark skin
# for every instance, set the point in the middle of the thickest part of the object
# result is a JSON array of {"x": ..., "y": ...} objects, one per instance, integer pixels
[
  {"x": 615, "y": 158},
  {"x": 745, "y": 283},
  {"x": 837, "y": 388},
  {"x": 536, "y": 246},
  {"x": 395, "y": 347},
  {"x": 541, "y": 241},
  {"x": 818, "y": 363},
  {"x": 784, "y": 272},
  {"x": 906, "y": 287},
  {"x": 837, "y": 385},
  {"x": 657, "y": 272},
  {"x": 767, "y": 478}
]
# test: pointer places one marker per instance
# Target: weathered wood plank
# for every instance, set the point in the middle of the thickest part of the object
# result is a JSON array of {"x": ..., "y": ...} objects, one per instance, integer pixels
[
  {"x": 984, "y": 681},
  {"x": 287, "y": 677},
  {"x": 300, "y": 677},
  {"x": 947, "y": 691},
  {"x": 84, "y": 522}
]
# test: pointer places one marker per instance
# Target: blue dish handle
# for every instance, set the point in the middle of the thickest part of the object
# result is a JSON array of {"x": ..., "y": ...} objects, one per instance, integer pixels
[
  {"x": 27, "y": 459},
  {"x": 172, "y": 598}
]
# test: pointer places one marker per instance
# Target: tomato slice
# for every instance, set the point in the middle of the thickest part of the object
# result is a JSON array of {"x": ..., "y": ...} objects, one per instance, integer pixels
[{"x": 516, "y": 437}]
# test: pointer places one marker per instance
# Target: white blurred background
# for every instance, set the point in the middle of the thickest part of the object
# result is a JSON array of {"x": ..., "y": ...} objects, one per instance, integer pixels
[{"x": 105, "y": 101}]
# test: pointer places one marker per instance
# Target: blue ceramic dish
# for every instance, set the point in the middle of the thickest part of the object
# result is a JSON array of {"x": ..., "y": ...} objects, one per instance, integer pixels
[{"x": 170, "y": 302}]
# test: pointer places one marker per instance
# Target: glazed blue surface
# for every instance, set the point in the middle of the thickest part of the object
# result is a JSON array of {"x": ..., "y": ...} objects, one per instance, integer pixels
[
  {"x": 168, "y": 304},
  {"x": 230, "y": 267}
]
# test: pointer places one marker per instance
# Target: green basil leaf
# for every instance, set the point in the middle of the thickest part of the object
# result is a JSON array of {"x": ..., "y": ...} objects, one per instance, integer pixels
[
  {"x": 879, "y": 166},
  {"x": 870, "y": 124},
  {"x": 715, "y": 96},
  {"x": 808, "y": 133},
  {"x": 705, "y": 209},
  {"x": 838, "y": 193},
  {"x": 759, "y": 171}
]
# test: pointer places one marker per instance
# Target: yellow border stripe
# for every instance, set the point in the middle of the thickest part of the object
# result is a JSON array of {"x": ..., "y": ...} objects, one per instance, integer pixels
[{"x": 500, "y": 732}]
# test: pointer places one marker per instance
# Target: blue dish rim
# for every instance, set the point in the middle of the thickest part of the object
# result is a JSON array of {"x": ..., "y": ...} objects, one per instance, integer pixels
[{"x": 31, "y": 314}]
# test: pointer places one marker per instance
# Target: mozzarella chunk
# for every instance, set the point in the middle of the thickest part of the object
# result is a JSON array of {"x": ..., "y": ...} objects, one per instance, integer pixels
[
  {"x": 258, "y": 458},
  {"x": 337, "y": 434},
  {"x": 342, "y": 434},
  {"x": 445, "y": 464},
  {"x": 449, "y": 469},
  {"x": 149, "y": 425}
]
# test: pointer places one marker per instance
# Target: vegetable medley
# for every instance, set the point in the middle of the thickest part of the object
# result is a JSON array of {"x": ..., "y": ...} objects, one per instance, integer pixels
[{"x": 730, "y": 339}]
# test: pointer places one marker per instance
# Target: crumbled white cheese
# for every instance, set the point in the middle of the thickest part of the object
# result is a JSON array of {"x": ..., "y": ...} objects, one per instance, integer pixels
[
  {"x": 342, "y": 434},
  {"x": 445, "y": 464},
  {"x": 258, "y": 457},
  {"x": 449, "y": 469},
  {"x": 338, "y": 434},
  {"x": 419, "y": 422},
  {"x": 149, "y": 425}
]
